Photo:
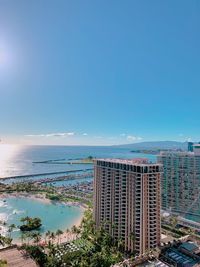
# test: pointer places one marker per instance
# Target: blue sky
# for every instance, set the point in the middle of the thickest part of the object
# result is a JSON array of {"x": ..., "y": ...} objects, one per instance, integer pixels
[{"x": 99, "y": 72}]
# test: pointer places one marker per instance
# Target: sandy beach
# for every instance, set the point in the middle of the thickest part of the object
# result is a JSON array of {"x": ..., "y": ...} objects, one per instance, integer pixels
[
  {"x": 39, "y": 197},
  {"x": 42, "y": 198},
  {"x": 63, "y": 238},
  {"x": 66, "y": 236}
]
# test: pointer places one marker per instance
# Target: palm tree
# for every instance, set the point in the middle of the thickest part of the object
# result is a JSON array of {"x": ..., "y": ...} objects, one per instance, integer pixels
[
  {"x": 5, "y": 240},
  {"x": 148, "y": 252},
  {"x": 2, "y": 240},
  {"x": 37, "y": 237},
  {"x": 58, "y": 233},
  {"x": 173, "y": 221},
  {"x": 24, "y": 219},
  {"x": 75, "y": 263},
  {"x": 9, "y": 231},
  {"x": 47, "y": 235},
  {"x": 52, "y": 236},
  {"x": 120, "y": 244},
  {"x": 11, "y": 228},
  {"x": 8, "y": 241},
  {"x": 68, "y": 232},
  {"x": 22, "y": 237},
  {"x": 52, "y": 250},
  {"x": 132, "y": 237},
  {"x": 29, "y": 236},
  {"x": 191, "y": 231},
  {"x": 75, "y": 230},
  {"x": 3, "y": 263}
]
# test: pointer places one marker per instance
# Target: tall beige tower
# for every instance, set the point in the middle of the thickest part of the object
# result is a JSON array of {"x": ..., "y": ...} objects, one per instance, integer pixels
[{"x": 127, "y": 201}]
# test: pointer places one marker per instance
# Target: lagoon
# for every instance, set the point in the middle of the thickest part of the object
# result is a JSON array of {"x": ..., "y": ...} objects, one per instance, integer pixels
[{"x": 54, "y": 215}]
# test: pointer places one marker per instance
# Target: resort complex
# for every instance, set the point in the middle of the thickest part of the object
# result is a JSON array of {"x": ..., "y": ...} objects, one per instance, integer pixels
[
  {"x": 132, "y": 212},
  {"x": 127, "y": 201},
  {"x": 181, "y": 181}
]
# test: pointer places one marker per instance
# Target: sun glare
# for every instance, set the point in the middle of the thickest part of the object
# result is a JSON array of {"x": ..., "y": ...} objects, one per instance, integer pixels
[
  {"x": 7, "y": 152},
  {"x": 5, "y": 55},
  {"x": 4, "y": 58}
]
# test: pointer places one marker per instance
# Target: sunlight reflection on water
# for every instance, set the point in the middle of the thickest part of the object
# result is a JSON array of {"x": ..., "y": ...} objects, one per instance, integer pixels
[{"x": 7, "y": 153}]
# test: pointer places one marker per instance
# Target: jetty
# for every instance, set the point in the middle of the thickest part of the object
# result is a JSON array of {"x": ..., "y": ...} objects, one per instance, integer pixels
[{"x": 45, "y": 173}]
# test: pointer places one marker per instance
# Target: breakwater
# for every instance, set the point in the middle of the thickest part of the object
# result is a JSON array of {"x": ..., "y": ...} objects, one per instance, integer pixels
[{"x": 46, "y": 173}]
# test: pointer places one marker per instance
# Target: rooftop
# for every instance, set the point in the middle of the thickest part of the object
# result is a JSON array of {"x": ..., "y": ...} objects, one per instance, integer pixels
[
  {"x": 190, "y": 246},
  {"x": 16, "y": 258},
  {"x": 196, "y": 145},
  {"x": 155, "y": 263},
  {"x": 180, "y": 258},
  {"x": 134, "y": 161}
]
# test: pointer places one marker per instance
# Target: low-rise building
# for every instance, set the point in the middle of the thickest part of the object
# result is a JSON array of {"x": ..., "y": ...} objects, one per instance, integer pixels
[{"x": 186, "y": 254}]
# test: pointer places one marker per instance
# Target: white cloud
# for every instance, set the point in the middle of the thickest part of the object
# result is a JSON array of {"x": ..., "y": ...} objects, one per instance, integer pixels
[
  {"x": 133, "y": 138},
  {"x": 51, "y": 135},
  {"x": 85, "y": 134},
  {"x": 185, "y": 137}
]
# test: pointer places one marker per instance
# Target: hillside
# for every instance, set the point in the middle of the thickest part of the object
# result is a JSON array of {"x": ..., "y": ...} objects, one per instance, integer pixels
[{"x": 156, "y": 145}]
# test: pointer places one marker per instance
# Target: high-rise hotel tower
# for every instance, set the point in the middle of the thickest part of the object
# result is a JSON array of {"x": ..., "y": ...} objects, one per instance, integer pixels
[
  {"x": 181, "y": 181},
  {"x": 127, "y": 201}
]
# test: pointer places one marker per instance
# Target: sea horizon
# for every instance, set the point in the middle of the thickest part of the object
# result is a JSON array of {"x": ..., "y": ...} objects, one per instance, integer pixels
[{"x": 20, "y": 159}]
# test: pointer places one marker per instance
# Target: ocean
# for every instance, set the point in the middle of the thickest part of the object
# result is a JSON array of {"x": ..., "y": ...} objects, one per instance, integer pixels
[{"x": 19, "y": 160}]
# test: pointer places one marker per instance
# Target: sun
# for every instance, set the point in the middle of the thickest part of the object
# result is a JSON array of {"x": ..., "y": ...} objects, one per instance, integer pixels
[{"x": 3, "y": 57}]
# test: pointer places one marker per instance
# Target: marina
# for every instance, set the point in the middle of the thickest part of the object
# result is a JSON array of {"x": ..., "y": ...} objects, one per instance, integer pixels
[
  {"x": 42, "y": 174},
  {"x": 64, "y": 178}
]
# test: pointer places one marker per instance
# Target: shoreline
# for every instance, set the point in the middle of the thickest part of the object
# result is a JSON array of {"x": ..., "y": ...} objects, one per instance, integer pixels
[
  {"x": 42, "y": 198},
  {"x": 65, "y": 237}
]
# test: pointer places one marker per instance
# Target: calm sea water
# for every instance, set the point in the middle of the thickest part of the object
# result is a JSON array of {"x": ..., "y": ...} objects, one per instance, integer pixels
[
  {"x": 54, "y": 216},
  {"x": 19, "y": 160}
]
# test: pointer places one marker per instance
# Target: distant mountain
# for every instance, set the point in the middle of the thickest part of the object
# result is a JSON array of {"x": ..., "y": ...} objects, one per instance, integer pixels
[{"x": 156, "y": 145}]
